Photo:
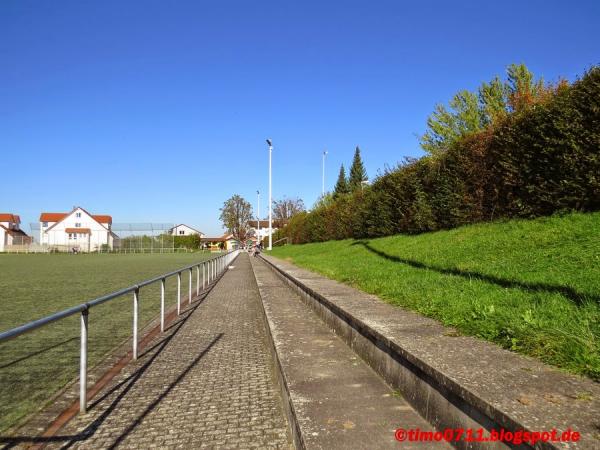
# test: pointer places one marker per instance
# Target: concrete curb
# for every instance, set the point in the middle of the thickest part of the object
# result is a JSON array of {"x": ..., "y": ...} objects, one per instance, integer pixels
[
  {"x": 434, "y": 390},
  {"x": 288, "y": 405}
]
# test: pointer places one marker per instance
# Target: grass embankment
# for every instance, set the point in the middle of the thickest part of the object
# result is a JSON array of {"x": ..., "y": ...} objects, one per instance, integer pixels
[
  {"x": 531, "y": 286},
  {"x": 34, "y": 366}
]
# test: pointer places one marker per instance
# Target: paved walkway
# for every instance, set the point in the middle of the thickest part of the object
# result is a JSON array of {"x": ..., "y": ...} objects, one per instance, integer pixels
[
  {"x": 206, "y": 383},
  {"x": 338, "y": 401}
]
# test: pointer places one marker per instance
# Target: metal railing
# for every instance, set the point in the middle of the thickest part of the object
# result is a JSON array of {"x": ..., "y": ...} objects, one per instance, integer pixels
[{"x": 211, "y": 269}]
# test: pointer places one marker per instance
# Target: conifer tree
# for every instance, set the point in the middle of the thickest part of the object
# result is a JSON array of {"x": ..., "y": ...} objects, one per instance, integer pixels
[
  {"x": 341, "y": 187},
  {"x": 358, "y": 174}
]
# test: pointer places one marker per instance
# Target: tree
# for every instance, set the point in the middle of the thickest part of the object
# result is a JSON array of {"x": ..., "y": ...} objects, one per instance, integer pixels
[
  {"x": 287, "y": 208},
  {"x": 493, "y": 100},
  {"x": 341, "y": 186},
  {"x": 358, "y": 174},
  {"x": 522, "y": 89},
  {"x": 447, "y": 126},
  {"x": 235, "y": 215}
]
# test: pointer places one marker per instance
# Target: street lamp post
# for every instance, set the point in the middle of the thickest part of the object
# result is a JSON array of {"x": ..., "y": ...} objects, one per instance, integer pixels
[
  {"x": 270, "y": 143},
  {"x": 323, "y": 184},
  {"x": 258, "y": 218}
]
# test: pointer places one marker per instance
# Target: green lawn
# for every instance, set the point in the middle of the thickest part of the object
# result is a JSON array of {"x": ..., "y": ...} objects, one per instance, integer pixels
[
  {"x": 531, "y": 286},
  {"x": 36, "y": 365}
]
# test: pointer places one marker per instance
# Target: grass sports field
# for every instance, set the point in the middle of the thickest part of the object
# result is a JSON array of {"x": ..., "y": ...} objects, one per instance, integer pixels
[
  {"x": 532, "y": 286},
  {"x": 35, "y": 365}
]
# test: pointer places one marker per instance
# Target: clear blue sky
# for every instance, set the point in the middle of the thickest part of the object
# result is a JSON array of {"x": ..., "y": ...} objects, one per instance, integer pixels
[{"x": 158, "y": 111}]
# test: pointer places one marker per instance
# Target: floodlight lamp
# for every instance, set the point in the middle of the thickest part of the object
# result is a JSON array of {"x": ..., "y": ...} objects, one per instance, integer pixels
[{"x": 269, "y": 142}]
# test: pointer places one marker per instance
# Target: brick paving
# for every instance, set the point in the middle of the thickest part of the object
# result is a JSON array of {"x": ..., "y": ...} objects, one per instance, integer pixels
[{"x": 205, "y": 383}]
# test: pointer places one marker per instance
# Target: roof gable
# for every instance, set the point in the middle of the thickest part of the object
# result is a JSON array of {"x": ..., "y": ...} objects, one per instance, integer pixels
[
  {"x": 187, "y": 226},
  {"x": 79, "y": 208}
]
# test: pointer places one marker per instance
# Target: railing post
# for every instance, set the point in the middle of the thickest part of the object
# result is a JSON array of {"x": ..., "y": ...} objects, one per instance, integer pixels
[
  {"x": 190, "y": 288},
  {"x": 203, "y": 275},
  {"x": 136, "y": 302},
  {"x": 178, "y": 293},
  {"x": 83, "y": 363},
  {"x": 162, "y": 305},
  {"x": 197, "y": 280}
]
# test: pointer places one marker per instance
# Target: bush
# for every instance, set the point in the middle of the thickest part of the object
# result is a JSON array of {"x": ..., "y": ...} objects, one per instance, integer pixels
[{"x": 539, "y": 160}]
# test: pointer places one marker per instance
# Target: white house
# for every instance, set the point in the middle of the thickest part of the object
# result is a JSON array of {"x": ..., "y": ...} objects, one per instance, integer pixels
[
  {"x": 260, "y": 228},
  {"x": 10, "y": 231},
  {"x": 184, "y": 230},
  {"x": 77, "y": 230}
]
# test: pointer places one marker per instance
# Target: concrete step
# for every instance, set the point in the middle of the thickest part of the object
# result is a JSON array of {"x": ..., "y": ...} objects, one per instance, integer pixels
[{"x": 334, "y": 399}]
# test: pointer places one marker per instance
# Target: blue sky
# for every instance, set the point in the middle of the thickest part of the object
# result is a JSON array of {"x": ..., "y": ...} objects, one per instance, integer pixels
[{"x": 157, "y": 111}]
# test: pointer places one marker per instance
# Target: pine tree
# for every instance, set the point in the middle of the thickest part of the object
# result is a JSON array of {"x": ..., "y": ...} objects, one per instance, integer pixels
[
  {"x": 358, "y": 174},
  {"x": 341, "y": 187}
]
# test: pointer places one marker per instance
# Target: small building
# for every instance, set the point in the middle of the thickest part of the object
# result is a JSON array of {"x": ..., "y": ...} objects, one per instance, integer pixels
[
  {"x": 11, "y": 233},
  {"x": 224, "y": 243},
  {"x": 77, "y": 230},
  {"x": 185, "y": 230}
]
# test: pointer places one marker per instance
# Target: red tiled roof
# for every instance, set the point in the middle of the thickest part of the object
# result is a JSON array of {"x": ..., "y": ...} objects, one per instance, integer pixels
[
  {"x": 8, "y": 217},
  {"x": 57, "y": 217},
  {"x": 52, "y": 217},
  {"x": 102, "y": 218},
  {"x": 78, "y": 230},
  {"x": 224, "y": 238}
]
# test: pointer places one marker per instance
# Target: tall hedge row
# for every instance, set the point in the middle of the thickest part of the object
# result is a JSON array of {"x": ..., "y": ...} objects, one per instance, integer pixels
[{"x": 540, "y": 160}]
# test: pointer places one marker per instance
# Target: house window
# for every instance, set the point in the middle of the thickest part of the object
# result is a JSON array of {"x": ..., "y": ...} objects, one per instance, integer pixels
[
  {"x": 44, "y": 224},
  {"x": 78, "y": 214},
  {"x": 70, "y": 236},
  {"x": 78, "y": 225},
  {"x": 75, "y": 236},
  {"x": 181, "y": 232}
]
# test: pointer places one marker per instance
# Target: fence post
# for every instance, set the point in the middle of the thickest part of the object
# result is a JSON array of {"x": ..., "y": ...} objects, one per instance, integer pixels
[
  {"x": 136, "y": 301},
  {"x": 197, "y": 280},
  {"x": 178, "y": 293},
  {"x": 83, "y": 363},
  {"x": 190, "y": 288},
  {"x": 162, "y": 305},
  {"x": 203, "y": 275}
]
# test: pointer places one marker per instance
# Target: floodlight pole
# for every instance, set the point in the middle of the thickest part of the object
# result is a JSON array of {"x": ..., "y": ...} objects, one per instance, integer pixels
[
  {"x": 270, "y": 197},
  {"x": 323, "y": 185}
]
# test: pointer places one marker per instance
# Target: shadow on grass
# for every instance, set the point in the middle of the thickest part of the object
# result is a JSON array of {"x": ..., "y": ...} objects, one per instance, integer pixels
[
  {"x": 39, "y": 352},
  {"x": 126, "y": 385},
  {"x": 576, "y": 297}
]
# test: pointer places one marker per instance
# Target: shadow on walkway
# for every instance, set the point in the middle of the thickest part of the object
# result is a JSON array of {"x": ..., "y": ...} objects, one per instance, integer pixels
[
  {"x": 576, "y": 297},
  {"x": 129, "y": 382}
]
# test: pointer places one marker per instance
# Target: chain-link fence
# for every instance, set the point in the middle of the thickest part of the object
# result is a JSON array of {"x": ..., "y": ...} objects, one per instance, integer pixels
[
  {"x": 121, "y": 238},
  {"x": 144, "y": 238}
]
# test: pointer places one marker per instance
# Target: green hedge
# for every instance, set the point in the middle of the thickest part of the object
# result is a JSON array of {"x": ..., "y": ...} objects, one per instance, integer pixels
[{"x": 538, "y": 161}]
